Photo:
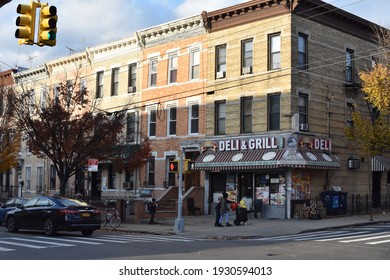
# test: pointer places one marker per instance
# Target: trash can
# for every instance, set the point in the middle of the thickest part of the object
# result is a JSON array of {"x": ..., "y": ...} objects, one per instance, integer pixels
[{"x": 335, "y": 202}]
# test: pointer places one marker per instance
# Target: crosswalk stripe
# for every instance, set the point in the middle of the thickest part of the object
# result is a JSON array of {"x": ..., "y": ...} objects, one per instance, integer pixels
[
  {"x": 44, "y": 242},
  {"x": 378, "y": 242},
  {"x": 365, "y": 238},
  {"x": 101, "y": 239},
  {"x": 3, "y": 249},
  {"x": 343, "y": 236},
  {"x": 150, "y": 238},
  {"x": 22, "y": 244},
  {"x": 70, "y": 240}
]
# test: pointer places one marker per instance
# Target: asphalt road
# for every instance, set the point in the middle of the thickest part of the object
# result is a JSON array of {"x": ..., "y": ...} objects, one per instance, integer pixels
[{"x": 360, "y": 243}]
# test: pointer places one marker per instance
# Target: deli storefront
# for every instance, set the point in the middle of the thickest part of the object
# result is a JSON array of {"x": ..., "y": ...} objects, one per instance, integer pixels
[{"x": 276, "y": 170}]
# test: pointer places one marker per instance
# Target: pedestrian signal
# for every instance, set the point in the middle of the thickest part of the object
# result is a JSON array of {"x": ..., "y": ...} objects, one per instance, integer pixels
[
  {"x": 174, "y": 166},
  {"x": 189, "y": 165}
]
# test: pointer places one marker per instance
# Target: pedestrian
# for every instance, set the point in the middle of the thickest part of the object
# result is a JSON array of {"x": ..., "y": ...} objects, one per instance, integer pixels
[
  {"x": 217, "y": 213},
  {"x": 152, "y": 210},
  {"x": 224, "y": 211}
]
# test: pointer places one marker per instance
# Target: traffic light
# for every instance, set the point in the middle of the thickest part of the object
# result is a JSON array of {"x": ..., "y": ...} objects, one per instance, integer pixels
[
  {"x": 174, "y": 166},
  {"x": 26, "y": 23},
  {"x": 47, "y": 29},
  {"x": 189, "y": 165}
]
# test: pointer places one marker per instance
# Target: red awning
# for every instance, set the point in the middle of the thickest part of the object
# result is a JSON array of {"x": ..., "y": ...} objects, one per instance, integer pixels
[{"x": 266, "y": 159}]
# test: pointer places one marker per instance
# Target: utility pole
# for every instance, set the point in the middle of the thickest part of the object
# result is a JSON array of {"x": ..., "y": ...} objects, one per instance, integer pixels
[{"x": 179, "y": 222}]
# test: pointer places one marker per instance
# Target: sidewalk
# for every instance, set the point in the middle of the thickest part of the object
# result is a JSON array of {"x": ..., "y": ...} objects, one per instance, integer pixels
[{"x": 203, "y": 226}]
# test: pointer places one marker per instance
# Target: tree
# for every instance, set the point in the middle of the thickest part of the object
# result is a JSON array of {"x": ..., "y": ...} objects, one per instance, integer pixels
[
  {"x": 9, "y": 137},
  {"x": 68, "y": 128}
]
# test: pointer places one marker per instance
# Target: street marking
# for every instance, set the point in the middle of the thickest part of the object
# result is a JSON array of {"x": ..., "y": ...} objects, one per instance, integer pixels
[
  {"x": 3, "y": 249},
  {"x": 44, "y": 242},
  {"x": 366, "y": 238},
  {"x": 378, "y": 242},
  {"x": 70, "y": 240},
  {"x": 21, "y": 244}
]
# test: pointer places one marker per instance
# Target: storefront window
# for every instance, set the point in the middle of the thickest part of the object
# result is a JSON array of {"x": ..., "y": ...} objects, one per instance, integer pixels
[{"x": 270, "y": 188}]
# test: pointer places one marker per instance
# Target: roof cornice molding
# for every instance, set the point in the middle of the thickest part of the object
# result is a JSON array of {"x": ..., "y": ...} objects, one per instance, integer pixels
[
  {"x": 170, "y": 27},
  {"x": 112, "y": 45},
  {"x": 25, "y": 74}
]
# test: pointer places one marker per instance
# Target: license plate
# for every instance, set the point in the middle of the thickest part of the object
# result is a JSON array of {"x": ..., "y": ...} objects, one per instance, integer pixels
[{"x": 85, "y": 214}]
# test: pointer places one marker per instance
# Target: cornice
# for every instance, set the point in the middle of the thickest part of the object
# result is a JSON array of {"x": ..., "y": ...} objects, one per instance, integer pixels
[
  {"x": 170, "y": 27},
  {"x": 40, "y": 70},
  {"x": 112, "y": 46}
]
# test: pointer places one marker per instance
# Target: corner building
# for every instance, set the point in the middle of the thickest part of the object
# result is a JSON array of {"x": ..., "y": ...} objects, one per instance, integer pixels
[{"x": 282, "y": 79}]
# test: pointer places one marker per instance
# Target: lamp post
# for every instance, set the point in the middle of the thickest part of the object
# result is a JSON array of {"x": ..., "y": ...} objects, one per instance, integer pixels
[{"x": 179, "y": 222}]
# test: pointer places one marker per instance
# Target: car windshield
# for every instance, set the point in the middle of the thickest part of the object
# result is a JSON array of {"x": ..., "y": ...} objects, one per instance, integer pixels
[{"x": 71, "y": 202}]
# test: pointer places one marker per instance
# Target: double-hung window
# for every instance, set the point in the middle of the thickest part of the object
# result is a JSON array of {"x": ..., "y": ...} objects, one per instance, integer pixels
[
  {"x": 194, "y": 118},
  {"x": 220, "y": 117},
  {"x": 153, "y": 63},
  {"x": 172, "y": 120},
  {"x": 130, "y": 127},
  {"x": 132, "y": 78},
  {"x": 114, "y": 81},
  {"x": 151, "y": 170},
  {"x": 220, "y": 61},
  {"x": 247, "y": 56},
  {"x": 302, "y": 51},
  {"x": 99, "y": 84},
  {"x": 28, "y": 178},
  {"x": 172, "y": 68},
  {"x": 194, "y": 64},
  {"x": 274, "y": 55},
  {"x": 246, "y": 114},
  {"x": 274, "y": 112},
  {"x": 303, "y": 104},
  {"x": 152, "y": 122},
  {"x": 349, "y": 66}
]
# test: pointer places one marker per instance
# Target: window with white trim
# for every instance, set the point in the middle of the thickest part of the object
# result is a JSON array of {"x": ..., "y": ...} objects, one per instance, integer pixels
[
  {"x": 172, "y": 68},
  {"x": 172, "y": 111},
  {"x": 274, "y": 55},
  {"x": 194, "y": 118},
  {"x": 153, "y": 64},
  {"x": 194, "y": 64},
  {"x": 152, "y": 122}
]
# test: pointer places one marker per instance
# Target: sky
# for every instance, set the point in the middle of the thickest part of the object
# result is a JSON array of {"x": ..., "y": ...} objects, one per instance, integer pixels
[{"x": 88, "y": 23}]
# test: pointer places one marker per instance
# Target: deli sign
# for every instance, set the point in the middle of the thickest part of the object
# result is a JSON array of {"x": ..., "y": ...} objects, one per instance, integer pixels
[{"x": 265, "y": 143}]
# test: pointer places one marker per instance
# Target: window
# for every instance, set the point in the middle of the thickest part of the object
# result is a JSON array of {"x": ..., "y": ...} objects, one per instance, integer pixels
[
  {"x": 83, "y": 88},
  {"x": 151, "y": 171},
  {"x": 152, "y": 121},
  {"x": 194, "y": 118},
  {"x": 52, "y": 177},
  {"x": 220, "y": 61},
  {"x": 39, "y": 179},
  {"x": 132, "y": 82},
  {"x": 114, "y": 81},
  {"x": 43, "y": 98},
  {"x": 153, "y": 63},
  {"x": 220, "y": 117},
  {"x": 274, "y": 57},
  {"x": 246, "y": 114},
  {"x": 172, "y": 68},
  {"x": 57, "y": 90},
  {"x": 302, "y": 52},
  {"x": 194, "y": 64},
  {"x": 130, "y": 127},
  {"x": 28, "y": 178},
  {"x": 172, "y": 121},
  {"x": 99, "y": 84},
  {"x": 350, "y": 109},
  {"x": 303, "y": 111},
  {"x": 349, "y": 65},
  {"x": 274, "y": 112},
  {"x": 247, "y": 56}
]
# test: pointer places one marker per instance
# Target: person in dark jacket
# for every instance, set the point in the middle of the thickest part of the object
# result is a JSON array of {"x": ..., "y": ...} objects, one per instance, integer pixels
[
  {"x": 152, "y": 210},
  {"x": 224, "y": 211},
  {"x": 217, "y": 213}
]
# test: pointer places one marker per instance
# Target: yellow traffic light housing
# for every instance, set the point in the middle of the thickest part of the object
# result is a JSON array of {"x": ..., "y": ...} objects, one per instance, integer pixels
[
  {"x": 174, "y": 166},
  {"x": 47, "y": 29},
  {"x": 26, "y": 23}
]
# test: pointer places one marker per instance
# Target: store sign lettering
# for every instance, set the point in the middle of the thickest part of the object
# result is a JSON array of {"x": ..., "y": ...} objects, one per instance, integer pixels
[
  {"x": 250, "y": 144},
  {"x": 322, "y": 144}
]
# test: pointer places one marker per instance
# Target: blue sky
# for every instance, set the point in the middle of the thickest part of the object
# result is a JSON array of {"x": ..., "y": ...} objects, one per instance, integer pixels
[{"x": 86, "y": 23}]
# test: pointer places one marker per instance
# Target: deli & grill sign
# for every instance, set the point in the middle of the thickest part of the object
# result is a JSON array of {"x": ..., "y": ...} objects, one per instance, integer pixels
[{"x": 273, "y": 143}]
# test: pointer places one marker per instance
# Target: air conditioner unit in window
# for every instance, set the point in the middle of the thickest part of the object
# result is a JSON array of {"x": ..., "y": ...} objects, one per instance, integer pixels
[
  {"x": 247, "y": 70},
  {"x": 221, "y": 75},
  {"x": 131, "y": 89},
  {"x": 303, "y": 126}
]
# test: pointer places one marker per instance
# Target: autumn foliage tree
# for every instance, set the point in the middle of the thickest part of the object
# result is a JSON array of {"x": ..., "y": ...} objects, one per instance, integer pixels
[{"x": 68, "y": 129}]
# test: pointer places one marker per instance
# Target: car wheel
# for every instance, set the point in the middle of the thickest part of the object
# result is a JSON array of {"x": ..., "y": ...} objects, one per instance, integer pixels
[
  {"x": 11, "y": 225},
  {"x": 87, "y": 232},
  {"x": 48, "y": 227}
]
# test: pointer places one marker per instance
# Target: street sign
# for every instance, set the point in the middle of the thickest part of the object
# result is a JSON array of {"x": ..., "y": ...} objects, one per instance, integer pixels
[{"x": 93, "y": 165}]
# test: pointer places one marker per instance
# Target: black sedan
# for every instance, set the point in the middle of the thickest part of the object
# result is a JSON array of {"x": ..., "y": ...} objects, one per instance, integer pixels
[
  {"x": 9, "y": 205},
  {"x": 52, "y": 214}
]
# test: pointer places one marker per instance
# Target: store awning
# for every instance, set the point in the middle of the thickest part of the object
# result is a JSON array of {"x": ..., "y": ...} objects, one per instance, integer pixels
[
  {"x": 380, "y": 163},
  {"x": 266, "y": 159}
]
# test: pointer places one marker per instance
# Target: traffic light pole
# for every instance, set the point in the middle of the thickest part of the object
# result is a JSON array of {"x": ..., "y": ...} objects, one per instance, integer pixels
[{"x": 179, "y": 222}]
